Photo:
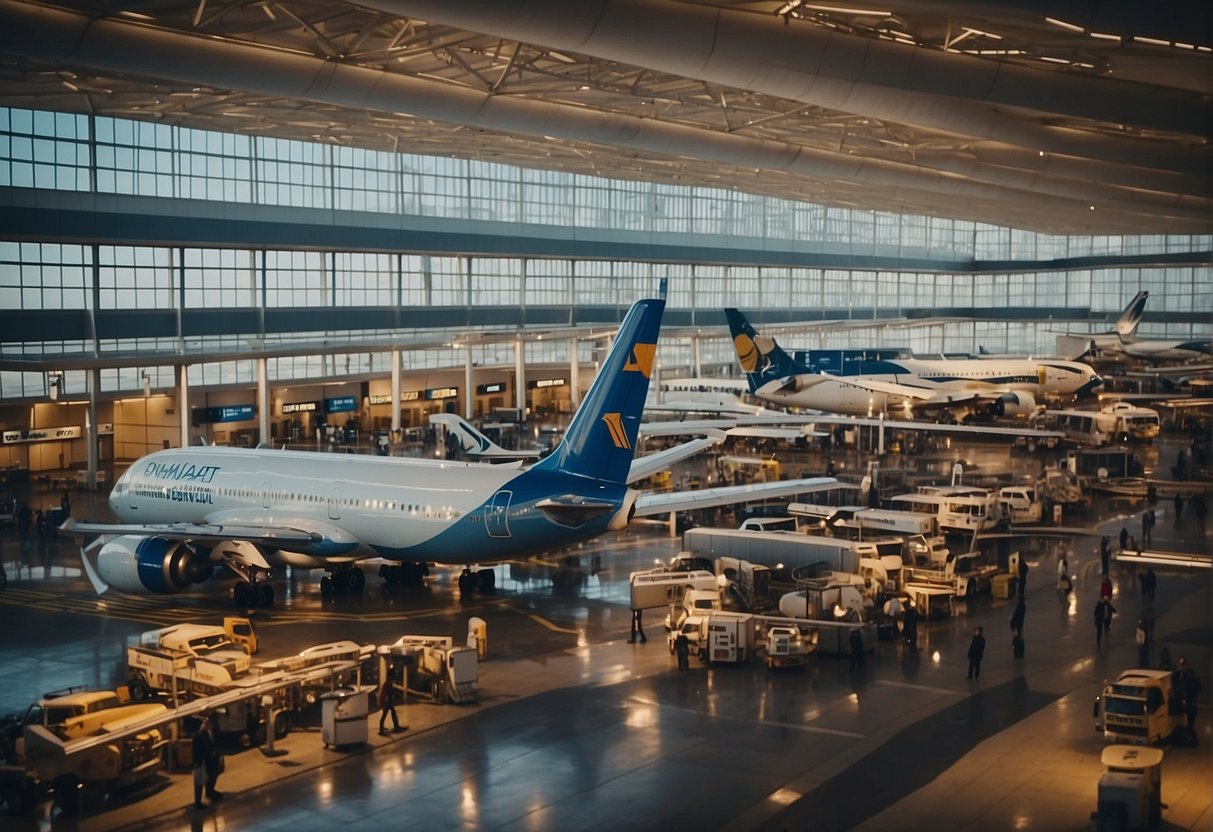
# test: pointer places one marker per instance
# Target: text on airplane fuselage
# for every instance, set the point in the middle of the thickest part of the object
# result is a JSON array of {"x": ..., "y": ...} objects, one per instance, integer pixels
[{"x": 181, "y": 471}]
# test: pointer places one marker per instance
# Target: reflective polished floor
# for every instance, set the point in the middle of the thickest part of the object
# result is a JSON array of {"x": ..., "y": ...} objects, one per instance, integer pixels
[{"x": 577, "y": 729}]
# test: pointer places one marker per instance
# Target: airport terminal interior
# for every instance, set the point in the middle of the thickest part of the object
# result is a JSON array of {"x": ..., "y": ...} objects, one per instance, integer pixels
[{"x": 655, "y": 414}]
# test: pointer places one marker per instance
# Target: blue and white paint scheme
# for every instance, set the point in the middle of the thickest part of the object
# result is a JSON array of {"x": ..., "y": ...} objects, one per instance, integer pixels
[
  {"x": 183, "y": 510},
  {"x": 964, "y": 387},
  {"x": 1121, "y": 342}
]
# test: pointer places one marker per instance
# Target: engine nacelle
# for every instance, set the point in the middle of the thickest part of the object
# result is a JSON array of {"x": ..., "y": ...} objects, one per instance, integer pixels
[
  {"x": 1014, "y": 404},
  {"x": 151, "y": 564},
  {"x": 624, "y": 516}
]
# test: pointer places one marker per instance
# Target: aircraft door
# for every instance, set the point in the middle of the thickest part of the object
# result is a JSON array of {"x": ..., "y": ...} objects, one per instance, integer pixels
[
  {"x": 335, "y": 502},
  {"x": 497, "y": 514}
]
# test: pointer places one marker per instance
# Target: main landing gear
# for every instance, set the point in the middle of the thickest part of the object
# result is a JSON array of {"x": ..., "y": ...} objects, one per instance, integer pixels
[
  {"x": 343, "y": 578},
  {"x": 482, "y": 579},
  {"x": 409, "y": 573},
  {"x": 247, "y": 594}
]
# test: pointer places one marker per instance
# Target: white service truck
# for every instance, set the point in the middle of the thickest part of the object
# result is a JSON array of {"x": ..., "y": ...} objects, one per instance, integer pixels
[
  {"x": 185, "y": 661},
  {"x": 1141, "y": 706}
]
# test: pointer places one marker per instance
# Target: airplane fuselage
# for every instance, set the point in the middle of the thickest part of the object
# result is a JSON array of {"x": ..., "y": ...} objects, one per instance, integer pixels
[
  {"x": 359, "y": 506},
  {"x": 1039, "y": 378}
]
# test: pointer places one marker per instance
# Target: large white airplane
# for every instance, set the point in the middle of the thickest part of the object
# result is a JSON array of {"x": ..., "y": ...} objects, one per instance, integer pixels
[
  {"x": 962, "y": 387},
  {"x": 183, "y": 511},
  {"x": 1122, "y": 342}
]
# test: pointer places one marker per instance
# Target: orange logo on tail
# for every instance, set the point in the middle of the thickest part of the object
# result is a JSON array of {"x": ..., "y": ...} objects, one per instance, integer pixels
[
  {"x": 614, "y": 423},
  {"x": 641, "y": 359}
]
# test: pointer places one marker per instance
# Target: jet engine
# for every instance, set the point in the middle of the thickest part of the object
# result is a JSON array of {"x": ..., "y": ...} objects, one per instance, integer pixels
[
  {"x": 624, "y": 516},
  {"x": 151, "y": 564},
  {"x": 1014, "y": 404}
]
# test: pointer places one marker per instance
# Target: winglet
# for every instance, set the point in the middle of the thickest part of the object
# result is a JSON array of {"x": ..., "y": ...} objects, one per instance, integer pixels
[{"x": 601, "y": 440}]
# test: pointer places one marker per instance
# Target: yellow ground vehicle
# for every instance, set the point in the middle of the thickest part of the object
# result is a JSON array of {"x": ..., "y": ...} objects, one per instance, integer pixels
[{"x": 78, "y": 743}]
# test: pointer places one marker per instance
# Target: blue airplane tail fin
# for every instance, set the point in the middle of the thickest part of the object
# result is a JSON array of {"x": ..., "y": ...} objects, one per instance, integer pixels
[
  {"x": 601, "y": 440},
  {"x": 761, "y": 358}
]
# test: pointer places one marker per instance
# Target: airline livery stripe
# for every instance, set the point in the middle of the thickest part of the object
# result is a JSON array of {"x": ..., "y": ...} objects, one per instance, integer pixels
[{"x": 614, "y": 423}]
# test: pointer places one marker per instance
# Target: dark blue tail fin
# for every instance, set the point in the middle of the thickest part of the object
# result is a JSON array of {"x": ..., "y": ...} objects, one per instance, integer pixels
[
  {"x": 761, "y": 358},
  {"x": 1127, "y": 323},
  {"x": 601, "y": 439}
]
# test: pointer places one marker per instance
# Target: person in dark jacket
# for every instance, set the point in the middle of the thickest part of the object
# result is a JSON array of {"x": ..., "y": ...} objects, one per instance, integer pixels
[
  {"x": 977, "y": 650},
  {"x": 857, "y": 659},
  {"x": 207, "y": 763},
  {"x": 1103, "y": 619},
  {"x": 387, "y": 705},
  {"x": 1017, "y": 618}
]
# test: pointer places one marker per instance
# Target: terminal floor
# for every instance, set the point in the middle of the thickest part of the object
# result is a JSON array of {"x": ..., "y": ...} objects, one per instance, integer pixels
[{"x": 577, "y": 729}]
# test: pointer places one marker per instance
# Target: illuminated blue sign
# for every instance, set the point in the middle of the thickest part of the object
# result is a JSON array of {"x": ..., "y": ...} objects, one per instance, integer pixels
[
  {"x": 340, "y": 404},
  {"x": 229, "y": 413}
]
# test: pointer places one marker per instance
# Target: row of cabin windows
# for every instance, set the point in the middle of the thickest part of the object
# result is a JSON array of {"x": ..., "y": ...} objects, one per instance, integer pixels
[{"x": 283, "y": 496}]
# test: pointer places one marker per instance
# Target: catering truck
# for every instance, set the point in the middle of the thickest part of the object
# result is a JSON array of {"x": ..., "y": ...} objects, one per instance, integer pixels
[
  {"x": 185, "y": 660},
  {"x": 1139, "y": 707}
]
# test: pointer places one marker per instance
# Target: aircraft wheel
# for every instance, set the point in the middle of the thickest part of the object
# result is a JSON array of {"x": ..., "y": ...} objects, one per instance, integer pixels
[
  {"x": 266, "y": 595},
  {"x": 19, "y": 798},
  {"x": 971, "y": 589},
  {"x": 282, "y": 725},
  {"x": 466, "y": 583},
  {"x": 326, "y": 586},
  {"x": 68, "y": 795},
  {"x": 240, "y": 594},
  {"x": 486, "y": 580},
  {"x": 138, "y": 691},
  {"x": 357, "y": 580}
]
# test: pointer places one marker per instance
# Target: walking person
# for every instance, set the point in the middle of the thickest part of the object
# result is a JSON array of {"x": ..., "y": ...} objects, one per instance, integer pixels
[
  {"x": 1063, "y": 575},
  {"x": 857, "y": 659},
  {"x": 1145, "y": 527},
  {"x": 682, "y": 649},
  {"x": 977, "y": 650},
  {"x": 1142, "y": 638},
  {"x": 1103, "y": 619},
  {"x": 1105, "y": 589},
  {"x": 1189, "y": 689},
  {"x": 1023, "y": 576},
  {"x": 1124, "y": 537},
  {"x": 1017, "y": 618},
  {"x": 637, "y": 628},
  {"x": 1105, "y": 553},
  {"x": 1179, "y": 508},
  {"x": 208, "y": 763},
  {"x": 1149, "y": 583},
  {"x": 387, "y": 705}
]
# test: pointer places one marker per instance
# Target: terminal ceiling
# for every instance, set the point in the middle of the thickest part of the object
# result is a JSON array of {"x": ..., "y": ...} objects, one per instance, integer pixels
[{"x": 1060, "y": 117}]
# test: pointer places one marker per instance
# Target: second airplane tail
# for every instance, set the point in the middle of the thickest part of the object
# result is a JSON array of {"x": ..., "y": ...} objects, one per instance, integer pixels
[
  {"x": 1127, "y": 323},
  {"x": 601, "y": 440},
  {"x": 761, "y": 358}
]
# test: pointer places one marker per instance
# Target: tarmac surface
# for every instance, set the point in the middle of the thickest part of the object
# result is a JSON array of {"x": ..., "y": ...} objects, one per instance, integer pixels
[{"x": 577, "y": 729}]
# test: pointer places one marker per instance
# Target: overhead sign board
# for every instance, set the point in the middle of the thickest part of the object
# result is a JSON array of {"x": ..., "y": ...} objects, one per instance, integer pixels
[
  {"x": 341, "y": 404},
  {"x": 14, "y": 437}
]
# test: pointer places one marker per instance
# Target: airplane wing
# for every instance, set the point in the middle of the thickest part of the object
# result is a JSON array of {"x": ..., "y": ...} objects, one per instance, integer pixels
[
  {"x": 935, "y": 427},
  {"x": 921, "y": 397},
  {"x": 648, "y": 505},
  {"x": 281, "y": 537},
  {"x": 646, "y": 466}
]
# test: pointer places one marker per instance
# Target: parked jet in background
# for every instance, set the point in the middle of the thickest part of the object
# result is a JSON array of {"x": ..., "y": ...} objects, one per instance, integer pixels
[
  {"x": 1121, "y": 342},
  {"x": 963, "y": 387}
]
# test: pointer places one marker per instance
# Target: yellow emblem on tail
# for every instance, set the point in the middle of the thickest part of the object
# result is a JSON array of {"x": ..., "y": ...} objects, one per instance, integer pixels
[
  {"x": 614, "y": 423},
  {"x": 641, "y": 360}
]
